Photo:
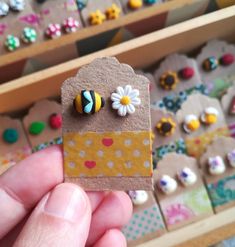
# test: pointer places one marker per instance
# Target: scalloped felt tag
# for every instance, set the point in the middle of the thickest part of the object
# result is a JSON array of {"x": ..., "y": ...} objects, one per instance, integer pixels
[{"x": 109, "y": 146}]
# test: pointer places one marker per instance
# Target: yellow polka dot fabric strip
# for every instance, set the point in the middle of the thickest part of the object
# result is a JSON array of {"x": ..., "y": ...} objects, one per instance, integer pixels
[
  {"x": 107, "y": 154},
  {"x": 196, "y": 146}
]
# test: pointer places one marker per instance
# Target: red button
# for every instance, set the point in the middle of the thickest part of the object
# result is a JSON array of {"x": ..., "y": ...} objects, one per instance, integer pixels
[
  {"x": 55, "y": 121},
  {"x": 186, "y": 73},
  {"x": 227, "y": 59}
]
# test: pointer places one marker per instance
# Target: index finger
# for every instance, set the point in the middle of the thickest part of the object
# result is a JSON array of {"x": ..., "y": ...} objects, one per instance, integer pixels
[{"x": 24, "y": 184}]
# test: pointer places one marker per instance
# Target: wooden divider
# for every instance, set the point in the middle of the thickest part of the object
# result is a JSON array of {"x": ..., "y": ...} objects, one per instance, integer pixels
[
  {"x": 140, "y": 52},
  {"x": 87, "y": 32}
]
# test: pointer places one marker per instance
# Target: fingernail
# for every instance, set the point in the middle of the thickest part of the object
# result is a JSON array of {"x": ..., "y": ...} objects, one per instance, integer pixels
[{"x": 66, "y": 201}]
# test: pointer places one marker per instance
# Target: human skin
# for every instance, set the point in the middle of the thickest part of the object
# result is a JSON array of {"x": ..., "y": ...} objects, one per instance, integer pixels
[{"x": 38, "y": 209}]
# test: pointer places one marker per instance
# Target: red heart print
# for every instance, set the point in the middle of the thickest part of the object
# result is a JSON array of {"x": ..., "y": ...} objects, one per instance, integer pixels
[
  {"x": 107, "y": 142},
  {"x": 90, "y": 164}
]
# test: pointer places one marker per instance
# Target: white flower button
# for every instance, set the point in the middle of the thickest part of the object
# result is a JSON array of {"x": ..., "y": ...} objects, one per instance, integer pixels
[
  {"x": 125, "y": 100},
  {"x": 138, "y": 197},
  {"x": 187, "y": 177},
  {"x": 216, "y": 165},
  {"x": 167, "y": 184},
  {"x": 231, "y": 158}
]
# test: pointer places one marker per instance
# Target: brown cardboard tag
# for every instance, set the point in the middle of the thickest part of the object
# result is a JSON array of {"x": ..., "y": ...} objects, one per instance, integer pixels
[{"x": 105, "y": 150}]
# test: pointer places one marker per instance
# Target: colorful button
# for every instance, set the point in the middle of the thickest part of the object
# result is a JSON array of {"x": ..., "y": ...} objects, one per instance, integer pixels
[
  {"x": 113, "y": 12},
  {"x": 216, "y": 165},
  {"x": 169, "y": 80},
  {"x": 36, "y": 128},
  {"x": 210, "y": 115},
  {"x": 70, "y": 25},
  {"x": 138, "y": 197},
  {"x": 17, "y": 5},
  {"x": 4, "y": 9},
  {"x": 227, "y": 59},
  {"x": 29, "y": 35},
  {"x": 150, "y": 1},
  {"x": 167, "y": 184},
  {"x": 191, "y": 123},
  {"x": 88, "y": 102},
  {"x": 10, "y": 135},
  {"x": 12, "y": 43},
  {"x": 187, "y": 176},
  {"x": 125, "y": 100},
  {"x": 186, "y": 73},
  {"x": 166, "y": 126},
  {"x": 55, "y": 121},
  {"x": 210, "y": 64},
  {"x": 53, "y": 31},
  {"x": 231, "y": 158},
  {"x": 135, "y": 4},
  {"x": 97, "y": 18},
  {"x": 81, "y": 4}
]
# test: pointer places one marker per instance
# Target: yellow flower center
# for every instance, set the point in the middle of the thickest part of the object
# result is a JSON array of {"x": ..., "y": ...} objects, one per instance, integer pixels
[
  {"x": 211, "y": 119},
  {"x": 125, "y": 100},
  {"x": 193, "y": 125}
]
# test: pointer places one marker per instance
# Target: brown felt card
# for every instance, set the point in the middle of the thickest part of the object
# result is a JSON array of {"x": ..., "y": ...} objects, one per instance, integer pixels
[
  {"x": 216, "y": 49},
  {"x": 106, "y": 150},
  {"x": 15, "y": 22},
  {"x": 186, "y": 204},
  {"x": 196, "y": 105},
  {"x": 55, "y": 12},
  {"x": 102, "y": 6},
  {"x": 220, "y": 186},
  {"x": 184, "y": 71},
  {"x": 146, "y": 222},
  {"x": 14, "y": 145},
  {"x": 160, "y": 120},
  {"x": 228, "y": 106},
  {"x": 48, "y": 114}
]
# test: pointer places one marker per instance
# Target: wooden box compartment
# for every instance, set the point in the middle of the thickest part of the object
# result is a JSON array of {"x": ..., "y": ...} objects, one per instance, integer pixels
[
  {"x": 141, "y": 52},
  {"x": 188, "y": 36},
  {"x": 32, "y": 58}
]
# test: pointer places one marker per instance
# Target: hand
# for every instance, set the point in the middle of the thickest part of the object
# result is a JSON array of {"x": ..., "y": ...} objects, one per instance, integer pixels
[{"x": 37, "y": 209}]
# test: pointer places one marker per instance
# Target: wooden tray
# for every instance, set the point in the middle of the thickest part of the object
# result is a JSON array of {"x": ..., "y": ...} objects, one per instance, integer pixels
[
  {"x": 22, "y": 92},
  {"x": 87, "y": 32},
  {"x": 185, "y": 37}
]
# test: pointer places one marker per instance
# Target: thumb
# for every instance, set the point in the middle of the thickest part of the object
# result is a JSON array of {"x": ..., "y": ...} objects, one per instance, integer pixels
[{"x": 62, "y": 218}]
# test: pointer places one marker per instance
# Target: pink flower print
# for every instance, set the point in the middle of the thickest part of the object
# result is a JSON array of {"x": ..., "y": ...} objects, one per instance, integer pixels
[
  {"x": 3, "y": 28},
  {"x": 45, "y": 12},
  {"x": 177, "y": 213},
  {"x": 31, "y": 19}
]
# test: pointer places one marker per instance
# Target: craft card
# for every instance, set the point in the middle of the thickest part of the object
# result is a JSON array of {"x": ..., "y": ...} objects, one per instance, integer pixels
[
  {"x": 180, "y": 191},
  {"x": 58, "y": 13},
  {"x": 106, "y": 128},
  {"x": 200, "y": 114},
  {"x": 133, "y": 5},
  {"x": 217, "y": 65},
  {"x": 43, "y": 124},
  {"x": 98, "y": 11},
  {"x": 228, "y": 106},
  {"x": 166, "y": 134},
  {"x": 14, "y": 146},
  {"x": 201, "y": 119},
  {"x": 14, "y": 23},
  {"x": 218, "y": 166},
  {"x": 146, "y": 222},
  {"x": 176, "y": 79}
]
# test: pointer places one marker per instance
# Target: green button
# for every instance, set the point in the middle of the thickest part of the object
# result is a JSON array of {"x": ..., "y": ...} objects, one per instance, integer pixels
[
  {"x": 36, "y": 128},
  {"x": 10, "y": 135}
]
